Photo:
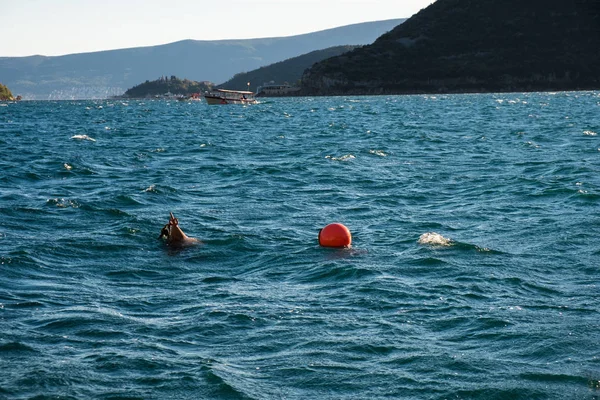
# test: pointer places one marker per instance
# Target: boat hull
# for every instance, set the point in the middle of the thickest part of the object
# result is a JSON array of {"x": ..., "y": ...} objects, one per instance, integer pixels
[
  {"x": 227, "y": 100},
  {"x": 226, "y": 96}
]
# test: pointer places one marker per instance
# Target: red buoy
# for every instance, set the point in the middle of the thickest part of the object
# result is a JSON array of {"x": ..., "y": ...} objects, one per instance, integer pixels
[{"x": 335, "y": 235}]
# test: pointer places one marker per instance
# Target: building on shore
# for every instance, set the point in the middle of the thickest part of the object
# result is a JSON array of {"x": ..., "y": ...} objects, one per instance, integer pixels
[{"x": 274, "y": 90}]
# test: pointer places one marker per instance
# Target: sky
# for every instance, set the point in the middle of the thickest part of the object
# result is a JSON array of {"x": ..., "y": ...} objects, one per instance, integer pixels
[{"x": 58, "y": 27}]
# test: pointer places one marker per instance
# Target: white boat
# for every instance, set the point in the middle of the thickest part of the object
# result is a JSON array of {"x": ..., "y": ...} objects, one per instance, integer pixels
[{"x": 224, "y": 96}]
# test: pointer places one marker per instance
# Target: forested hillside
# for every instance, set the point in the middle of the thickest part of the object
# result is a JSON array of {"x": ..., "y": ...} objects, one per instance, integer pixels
[
  {"x": 163, "y": 85},
  {"x": 289, "y": 71},
  {"x": 474, "y": 46}
]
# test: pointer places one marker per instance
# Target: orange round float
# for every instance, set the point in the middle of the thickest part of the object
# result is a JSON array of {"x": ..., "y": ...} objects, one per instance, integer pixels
[{"x": 335, "y": 235}]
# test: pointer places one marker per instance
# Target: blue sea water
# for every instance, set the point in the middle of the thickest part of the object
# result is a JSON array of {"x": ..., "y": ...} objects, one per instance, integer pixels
[{"x": 474, "y": 271}]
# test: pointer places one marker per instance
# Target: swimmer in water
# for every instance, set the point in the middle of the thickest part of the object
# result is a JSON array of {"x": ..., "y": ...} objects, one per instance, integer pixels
[{"x": 174, "y": 235}]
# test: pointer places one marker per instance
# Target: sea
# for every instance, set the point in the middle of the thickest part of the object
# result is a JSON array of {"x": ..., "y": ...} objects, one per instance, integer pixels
[{"x": 474, "y": 269}]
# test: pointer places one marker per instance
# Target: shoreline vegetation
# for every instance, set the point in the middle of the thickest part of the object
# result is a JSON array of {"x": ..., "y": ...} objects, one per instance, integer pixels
[
  {"x": 6, "y": 94},
  {"x": 167, "y": 87},
  {"x": 461, "y": 46}
]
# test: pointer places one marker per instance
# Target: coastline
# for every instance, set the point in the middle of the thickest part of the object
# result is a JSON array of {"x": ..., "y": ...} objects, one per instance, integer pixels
[
  {"x": 444, "y": 90},
  {"x": 338, "y": 93}
]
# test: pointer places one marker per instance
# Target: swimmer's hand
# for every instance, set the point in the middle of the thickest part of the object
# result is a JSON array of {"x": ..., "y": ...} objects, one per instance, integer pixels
[
  {"x": 174, "y": 235},
  {"x": 173, "y": 221}
]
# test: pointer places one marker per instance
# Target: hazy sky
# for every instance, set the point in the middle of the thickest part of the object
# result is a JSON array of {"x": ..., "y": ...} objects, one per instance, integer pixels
[{"x": 57, "y": 27}]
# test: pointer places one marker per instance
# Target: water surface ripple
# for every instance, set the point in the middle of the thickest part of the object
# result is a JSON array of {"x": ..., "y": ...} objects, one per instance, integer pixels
[{"x": 473, "y": 272}]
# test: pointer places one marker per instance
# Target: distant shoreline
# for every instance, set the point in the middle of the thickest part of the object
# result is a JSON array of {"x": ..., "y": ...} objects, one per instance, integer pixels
[{"x": 415, "y": 93}]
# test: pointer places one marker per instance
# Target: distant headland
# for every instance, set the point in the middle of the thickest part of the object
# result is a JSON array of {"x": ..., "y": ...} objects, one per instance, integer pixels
[
  {"x": 168, "y": 87},
  {"x": 262, "y": 80},
  {"x": 458, "y": 46},
  {"x": 6, "y": 94}
]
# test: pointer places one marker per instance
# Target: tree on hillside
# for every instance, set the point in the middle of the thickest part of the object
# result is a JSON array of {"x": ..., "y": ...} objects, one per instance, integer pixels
[
  {"x": 5, "y": 93},
  {"x": 162, "y": 85}
]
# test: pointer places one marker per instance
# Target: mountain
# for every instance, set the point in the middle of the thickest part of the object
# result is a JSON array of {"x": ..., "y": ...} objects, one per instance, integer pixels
[
  {"x": 289, "y": 70},
  {"x": 106, "y": 73},
  {"x": 473, "y": 46}
]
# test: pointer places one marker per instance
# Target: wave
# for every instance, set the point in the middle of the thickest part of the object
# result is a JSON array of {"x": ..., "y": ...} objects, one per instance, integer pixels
[
  {"x": 221, "y": 379},
  {"x": 16, "y": 347},
  {"x": 336, "y": 267},
  {"x": 434, "y": 239},
  {"x": 87, "y": 292},
  {"x": 63, "y": 203},
  {"x": 83, "y": 137},
  {"x": 346, "y": 157}
]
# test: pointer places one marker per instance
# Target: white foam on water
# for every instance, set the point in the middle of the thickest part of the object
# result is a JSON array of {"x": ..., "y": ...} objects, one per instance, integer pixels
[
  {"x": 434, "y": 239},
  {"x": 347, "y": 157},
  {"x": 83, "y": 137},
  {"x": 63, "y": 203},
  {"x": 379, "y": 153}
]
